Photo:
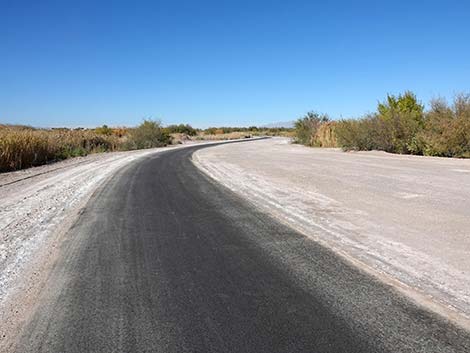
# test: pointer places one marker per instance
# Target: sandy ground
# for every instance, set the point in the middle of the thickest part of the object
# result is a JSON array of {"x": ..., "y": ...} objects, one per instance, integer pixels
[
  {"x": 38, "y": 206},
  {"x": 403, "y": 218}
]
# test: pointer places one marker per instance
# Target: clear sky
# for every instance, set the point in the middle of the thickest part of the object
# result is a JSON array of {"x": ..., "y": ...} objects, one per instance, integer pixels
[{"x": 87, "y": 63}]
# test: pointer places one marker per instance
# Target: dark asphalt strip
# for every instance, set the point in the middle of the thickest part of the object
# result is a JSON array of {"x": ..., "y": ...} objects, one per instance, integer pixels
[{"x": 165, "y": 260}]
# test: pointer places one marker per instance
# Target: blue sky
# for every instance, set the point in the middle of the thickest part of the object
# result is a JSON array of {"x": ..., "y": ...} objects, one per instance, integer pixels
[{"x": 87, "y": 63}]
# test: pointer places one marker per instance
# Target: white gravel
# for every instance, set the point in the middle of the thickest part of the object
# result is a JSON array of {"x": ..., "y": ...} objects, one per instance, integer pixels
[
  {"x": 403, "y": 218},
  {"x": 37, "y": 202}
]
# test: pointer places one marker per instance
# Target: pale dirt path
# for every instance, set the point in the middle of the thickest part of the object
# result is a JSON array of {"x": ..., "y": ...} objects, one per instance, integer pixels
[{"x": 404, "y": 218}]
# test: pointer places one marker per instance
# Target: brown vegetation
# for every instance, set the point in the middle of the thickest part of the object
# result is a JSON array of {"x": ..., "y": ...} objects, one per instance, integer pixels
[
  {"x": 400, "y": 125},
  {"x": 23, "y": 146}
]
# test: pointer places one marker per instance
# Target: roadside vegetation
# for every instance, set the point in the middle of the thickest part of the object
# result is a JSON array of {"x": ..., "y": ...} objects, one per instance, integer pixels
[
  {"x": 315, "y": 130},
  {"x": 182, "y": 133},
  {"x": 401, "y": 124},
  {"x": 228, "y": 133},
  {"x": 25, "y": 146}
]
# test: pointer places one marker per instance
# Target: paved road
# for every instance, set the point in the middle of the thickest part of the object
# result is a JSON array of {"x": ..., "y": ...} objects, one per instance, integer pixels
[{"x": 164, "y": 260}]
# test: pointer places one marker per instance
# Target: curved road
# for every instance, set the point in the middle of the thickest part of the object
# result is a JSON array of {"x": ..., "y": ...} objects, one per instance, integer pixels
[{"x": 165, "y": 260}]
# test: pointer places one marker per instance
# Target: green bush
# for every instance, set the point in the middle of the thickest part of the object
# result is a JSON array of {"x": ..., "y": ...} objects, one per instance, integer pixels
[
  {"x": 402, "y": 126},
  {"x": 395, "y": 127},
  {"x": 401, "y": 119},
  {"x": 181, "y": 129},
  {"x": 149, "y": 134},
  {"x": 363, "y": 134},
  {"x": 447, "y": 128}
]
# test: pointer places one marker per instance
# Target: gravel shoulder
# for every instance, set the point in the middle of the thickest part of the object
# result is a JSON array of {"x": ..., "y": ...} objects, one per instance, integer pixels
[{"x": 405, "y": 219}]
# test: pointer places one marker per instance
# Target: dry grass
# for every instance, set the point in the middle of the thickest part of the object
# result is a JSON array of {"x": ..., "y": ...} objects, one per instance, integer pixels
[
  {"x": 234, "y": 135},
  {"x": 223, "y": 136},
  {"x": 23, "y": 147},
  {"x": 326, "y": 136}
]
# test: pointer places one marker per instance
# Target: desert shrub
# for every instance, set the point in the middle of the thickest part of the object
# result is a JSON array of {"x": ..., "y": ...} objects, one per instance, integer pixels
[
  {"x": 181, "y": 129},
  {"x": 221, "y": 136},
  {"x": 104, "y": 130},
  {"x": 120, "y": 131},
  {"x": 210, "y": 131},
  {"x": 275, "y": 131},
  {"x": 213, "y": 132},
  {"x": 401, "y": 118},
  {"x": 402, "y": 126},
  {"x": 149, "y": 134},
  {"x": 306, "y": 128},
  {"x": 396, "y": 127},
  {"x": 80, "y": 143},
  {"x": 447, "y": 128},
  {"x": 360, "y": 134}
]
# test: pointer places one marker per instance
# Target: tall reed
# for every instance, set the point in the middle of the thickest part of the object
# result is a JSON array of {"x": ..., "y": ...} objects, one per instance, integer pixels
[{"x": 23, "y": 147}]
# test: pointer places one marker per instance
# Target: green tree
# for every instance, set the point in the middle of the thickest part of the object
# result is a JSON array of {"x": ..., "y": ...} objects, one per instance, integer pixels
[{"x": 402, "y": 118}]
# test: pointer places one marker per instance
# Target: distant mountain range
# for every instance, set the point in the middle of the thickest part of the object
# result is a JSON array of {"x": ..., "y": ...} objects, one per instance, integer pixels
[{"x": 287, "y": 124}]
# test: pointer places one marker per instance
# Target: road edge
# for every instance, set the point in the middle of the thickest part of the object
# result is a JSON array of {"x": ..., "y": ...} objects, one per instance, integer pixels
[{"x": 421, "y": 300}]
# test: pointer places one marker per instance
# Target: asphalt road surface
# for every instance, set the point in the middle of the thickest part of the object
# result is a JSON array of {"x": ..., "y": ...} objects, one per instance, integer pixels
[{"x": 165, "y": 260}]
